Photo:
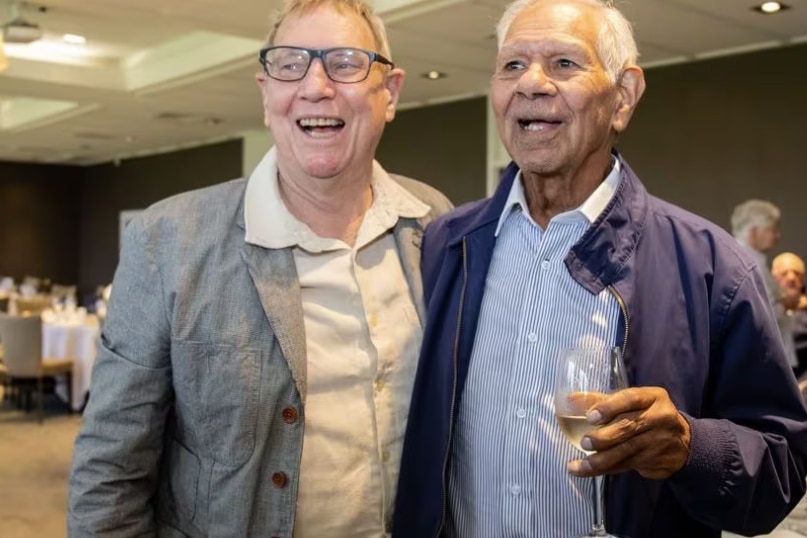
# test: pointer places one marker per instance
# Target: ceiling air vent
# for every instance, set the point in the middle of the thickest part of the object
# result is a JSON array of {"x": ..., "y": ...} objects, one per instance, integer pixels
[{"x": 176, "y": 116}]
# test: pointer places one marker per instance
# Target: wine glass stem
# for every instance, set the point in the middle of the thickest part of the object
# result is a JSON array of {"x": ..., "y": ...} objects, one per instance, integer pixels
[{"x": 598, "y": 527}]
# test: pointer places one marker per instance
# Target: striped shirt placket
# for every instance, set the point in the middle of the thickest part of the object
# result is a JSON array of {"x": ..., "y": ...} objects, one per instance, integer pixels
[{"x": 454, "y": 386}]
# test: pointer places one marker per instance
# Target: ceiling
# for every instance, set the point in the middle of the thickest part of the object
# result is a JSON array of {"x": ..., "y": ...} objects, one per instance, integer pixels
[{"x": 162, "y": 74}]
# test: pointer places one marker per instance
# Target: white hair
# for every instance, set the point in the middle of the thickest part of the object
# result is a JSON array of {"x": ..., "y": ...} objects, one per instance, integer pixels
[
  {"x": 616, "y": 45},
  {"x": 358, "y": 7},
  {"x": 753, "y": 214}
]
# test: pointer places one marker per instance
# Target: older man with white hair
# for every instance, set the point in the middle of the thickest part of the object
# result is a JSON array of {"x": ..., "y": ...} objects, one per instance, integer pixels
[
  {"x": 755, "y": 224},
  {"x": 572, "y": 251}
]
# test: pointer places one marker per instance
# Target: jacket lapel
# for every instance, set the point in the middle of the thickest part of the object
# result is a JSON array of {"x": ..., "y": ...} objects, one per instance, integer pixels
[
  {"x": 408, "y": 238},
  {"x": 275, "y": 277}
]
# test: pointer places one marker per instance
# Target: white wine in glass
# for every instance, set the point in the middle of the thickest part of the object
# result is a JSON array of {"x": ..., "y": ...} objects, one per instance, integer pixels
[{"x": 586, "y": 376}]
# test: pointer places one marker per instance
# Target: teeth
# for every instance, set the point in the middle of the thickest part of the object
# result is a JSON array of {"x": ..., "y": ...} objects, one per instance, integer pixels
[
  {"x": 534, "y": 125},
  {"x": 320, "y": 122}
]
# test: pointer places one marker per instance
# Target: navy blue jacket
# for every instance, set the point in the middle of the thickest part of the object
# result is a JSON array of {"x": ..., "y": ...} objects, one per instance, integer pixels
[{"x": 695, "y": 321}]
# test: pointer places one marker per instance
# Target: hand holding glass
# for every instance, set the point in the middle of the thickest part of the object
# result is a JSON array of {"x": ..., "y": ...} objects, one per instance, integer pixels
[{"x": 586, "y": 376}]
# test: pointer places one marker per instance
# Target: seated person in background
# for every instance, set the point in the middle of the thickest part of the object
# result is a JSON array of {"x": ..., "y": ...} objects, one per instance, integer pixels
[
  {"x": 572, "y": 250},
  {"x": 255, "y": 368},
  {"x": 788, "y": 270}
]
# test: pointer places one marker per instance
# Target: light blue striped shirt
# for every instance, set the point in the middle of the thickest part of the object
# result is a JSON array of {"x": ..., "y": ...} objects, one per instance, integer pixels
[{"x": 508, "y": 473}]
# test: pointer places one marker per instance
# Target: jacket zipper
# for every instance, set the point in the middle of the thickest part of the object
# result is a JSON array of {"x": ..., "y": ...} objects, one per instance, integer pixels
[
  {"x": 624, "y": 310},
  {"x": 454, "y": 386}
]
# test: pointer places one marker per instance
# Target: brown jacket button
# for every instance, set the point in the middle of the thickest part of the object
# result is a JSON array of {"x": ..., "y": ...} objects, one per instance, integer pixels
[
  {"x": 279, "y": 480},
  {"x": 289, "y": 415}
]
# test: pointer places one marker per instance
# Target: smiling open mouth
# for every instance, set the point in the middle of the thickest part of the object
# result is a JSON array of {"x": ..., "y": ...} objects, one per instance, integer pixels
[
  {"x": 320, "y": 125},
  {"x": 537, "y": 125}
]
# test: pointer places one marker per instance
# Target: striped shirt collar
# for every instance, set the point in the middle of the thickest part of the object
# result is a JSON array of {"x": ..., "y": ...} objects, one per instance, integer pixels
[
  {"x": 269, "y": 223},
  {"x": 590, "y": 209}
]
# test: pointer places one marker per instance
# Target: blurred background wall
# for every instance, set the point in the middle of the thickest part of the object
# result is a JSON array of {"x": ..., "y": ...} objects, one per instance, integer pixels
[{"x": 706, "y": 136}]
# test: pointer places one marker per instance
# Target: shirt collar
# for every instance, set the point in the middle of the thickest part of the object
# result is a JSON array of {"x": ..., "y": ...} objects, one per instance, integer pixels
[
  {"x": 269, "y": 223},
  {"x": 590, "y": 209}
]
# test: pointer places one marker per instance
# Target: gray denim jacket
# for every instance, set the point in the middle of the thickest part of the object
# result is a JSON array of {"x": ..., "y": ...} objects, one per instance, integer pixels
[{"x": 195, "y": 422}]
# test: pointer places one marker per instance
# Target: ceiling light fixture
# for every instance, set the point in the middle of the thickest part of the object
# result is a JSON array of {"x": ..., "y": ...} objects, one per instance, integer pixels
[
  {"x": 18, "y": 30},
  {"x": 434, "y": 75},
  {"x": 74, "y": 39},
  {"x": 770, "y": 8}
]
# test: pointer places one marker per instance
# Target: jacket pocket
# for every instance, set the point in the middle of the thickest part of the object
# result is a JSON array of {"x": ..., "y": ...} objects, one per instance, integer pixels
[
  {"x": 179, "y": 488},
  {"x": 216, "y": 389}
]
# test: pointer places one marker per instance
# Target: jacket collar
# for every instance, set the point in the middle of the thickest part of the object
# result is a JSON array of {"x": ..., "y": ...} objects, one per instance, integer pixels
[{"x": 600, "y": 257}]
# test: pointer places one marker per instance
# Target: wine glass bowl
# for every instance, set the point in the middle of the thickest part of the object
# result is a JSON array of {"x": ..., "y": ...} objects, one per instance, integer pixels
[{"x": 570, "y": 412}]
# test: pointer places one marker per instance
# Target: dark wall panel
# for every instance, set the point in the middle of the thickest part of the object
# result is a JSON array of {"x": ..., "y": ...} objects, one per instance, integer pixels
[
  {"x": 442, "y": 145},
  {"x": 135, "y": 184},
  {"x": 39, "y": 221},
  {"x": 711, "y": 134}
]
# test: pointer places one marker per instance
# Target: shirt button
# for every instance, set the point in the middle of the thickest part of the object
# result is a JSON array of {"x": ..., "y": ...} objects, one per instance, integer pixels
[
  {"x": 521, "y": 413},
  {"x": 532, "y": 337},
  {"x": 515, "y": 489},
  {"x": 379, "y": 385},
  {"x": 545, "y": 264},
  {"x": 289, "y": 415},
  {"x": 279, "y": 480}
]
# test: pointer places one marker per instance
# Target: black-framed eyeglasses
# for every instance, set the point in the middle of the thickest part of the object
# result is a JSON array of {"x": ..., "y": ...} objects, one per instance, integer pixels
[{"x": 344, "y": 64}]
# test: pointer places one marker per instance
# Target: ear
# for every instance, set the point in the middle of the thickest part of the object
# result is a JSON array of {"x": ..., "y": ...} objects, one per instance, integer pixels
[
  {"x": 393, "y": 84},
  {"x": 260, "y": 80},
  {"x": 630, "y": 87}
]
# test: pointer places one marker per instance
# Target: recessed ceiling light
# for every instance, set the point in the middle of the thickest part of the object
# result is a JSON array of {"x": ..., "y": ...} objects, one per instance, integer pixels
[
  {"x": 74, "y": 39},
  {"x": 434, "y": 75},
  {"x": 770, "y": 7}
]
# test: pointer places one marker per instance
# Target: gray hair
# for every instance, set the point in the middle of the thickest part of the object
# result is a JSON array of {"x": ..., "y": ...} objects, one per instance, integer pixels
[
  {"x": 616, "y": 45},
  {"x": 753, "y": 214},
  {"x": 358, "y": 7}
]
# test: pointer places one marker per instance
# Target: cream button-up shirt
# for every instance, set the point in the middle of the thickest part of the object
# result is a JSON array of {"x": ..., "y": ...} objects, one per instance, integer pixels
[{"x": 362, "y": 340}]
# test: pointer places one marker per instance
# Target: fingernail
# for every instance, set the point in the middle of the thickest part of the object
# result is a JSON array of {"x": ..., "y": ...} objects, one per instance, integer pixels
[
  {"x": 585, "y": 443},
  {"x": 578, "y": 466},
  {"x": 594, "y": 417}
]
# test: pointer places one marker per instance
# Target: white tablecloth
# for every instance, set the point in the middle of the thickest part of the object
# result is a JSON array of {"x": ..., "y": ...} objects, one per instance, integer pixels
[{"x": 73, "y": 341}]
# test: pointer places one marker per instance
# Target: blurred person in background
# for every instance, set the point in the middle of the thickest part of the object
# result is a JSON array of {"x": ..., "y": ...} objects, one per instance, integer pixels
[
  {"x": 788, "y": 270},
  {"x": 572, "y": 251},
  {"x": 256, "y": 364},
  {"x": 755, "y": 225}
]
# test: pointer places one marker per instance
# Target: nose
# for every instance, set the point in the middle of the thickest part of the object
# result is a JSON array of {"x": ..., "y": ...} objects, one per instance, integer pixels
[
  {"x": 535, "y": 82},
  {"x": 316, "y": 85}
]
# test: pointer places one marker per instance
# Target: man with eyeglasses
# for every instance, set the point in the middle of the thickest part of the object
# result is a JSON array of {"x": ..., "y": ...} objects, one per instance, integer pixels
[{"x": 254, "y": 373}]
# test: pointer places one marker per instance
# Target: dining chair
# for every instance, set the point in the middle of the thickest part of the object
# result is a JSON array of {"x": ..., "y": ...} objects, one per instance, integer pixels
[{"x": 23, "y": 363}]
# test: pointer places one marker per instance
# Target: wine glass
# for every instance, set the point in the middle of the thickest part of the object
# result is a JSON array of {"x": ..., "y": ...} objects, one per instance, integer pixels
[{"x": 585, "y": 376}]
